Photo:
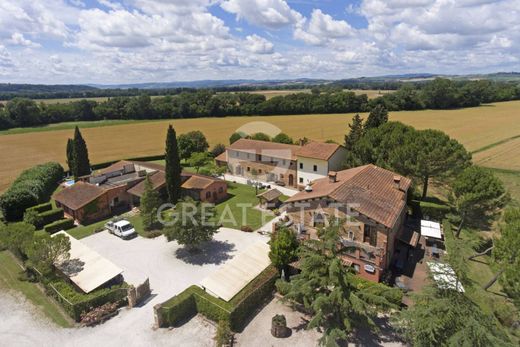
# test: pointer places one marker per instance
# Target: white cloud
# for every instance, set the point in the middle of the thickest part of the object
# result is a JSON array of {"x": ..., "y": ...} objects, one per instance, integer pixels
[
  {"x": 257, "y": 44},
  {"x": 19, "y": 39},
  {"x": 270, "y": 14},
  {"x": 164, "y": 40},
  {"x": 322, "y": 28}
]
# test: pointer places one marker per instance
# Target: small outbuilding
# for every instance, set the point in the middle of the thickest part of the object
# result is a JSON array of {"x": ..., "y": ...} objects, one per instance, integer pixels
[{"x": 270, "y": 199}]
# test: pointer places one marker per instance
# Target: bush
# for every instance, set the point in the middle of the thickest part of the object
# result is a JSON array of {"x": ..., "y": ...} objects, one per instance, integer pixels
[
  {"x": 51, "y": 216},
  {"x": 32, "y": 187},
  {"x": 76, "y": 303},
  {"x": 46, "y": 206},
  {"x": 62, "y": 224},
  {"x": 179, "y": 308},
  {"x": 246, "y": 228},
  {"x": 282, "y": 286},
  {"x": 279, "y": 320},
  {"x": 505, "y": 313},
  {"x": 432, "y": 210},
  {"x": 33, "y": 217}
]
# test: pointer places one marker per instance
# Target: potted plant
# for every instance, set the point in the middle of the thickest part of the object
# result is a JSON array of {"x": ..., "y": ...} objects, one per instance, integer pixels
[{"x": 279, "y": 326}]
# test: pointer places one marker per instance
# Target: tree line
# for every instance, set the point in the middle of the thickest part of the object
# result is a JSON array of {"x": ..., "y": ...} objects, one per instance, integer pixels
[{"x": 437, "y": 94}]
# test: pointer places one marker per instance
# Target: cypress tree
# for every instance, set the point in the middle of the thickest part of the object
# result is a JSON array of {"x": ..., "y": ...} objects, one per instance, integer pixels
[
  {"x": 70, "y": 155},
  {"x": 377, "y": 117},
  {"x": 173, "y": 166},
  {"x": 81, "y": 162},
  {"x": 356, "y": 132},
  {"x": 150, "y": 202}
]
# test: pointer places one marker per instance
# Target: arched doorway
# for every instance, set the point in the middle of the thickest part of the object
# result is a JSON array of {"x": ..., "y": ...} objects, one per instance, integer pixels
[{"x": 291, "y": 180}]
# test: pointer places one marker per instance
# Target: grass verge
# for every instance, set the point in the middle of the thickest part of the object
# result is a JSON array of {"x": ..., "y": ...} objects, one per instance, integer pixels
[{"x": 9, "y": 280}]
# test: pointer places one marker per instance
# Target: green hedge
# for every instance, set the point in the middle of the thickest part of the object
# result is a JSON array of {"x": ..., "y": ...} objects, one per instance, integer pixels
[
  {"x": 76, "y": 303},
  {"x": 51, "y": 216},
  {"x": 432, "y": 210},
  {"x": 41, "y": 207},
  {"x": 32, "y": 187},
  {"x": 62, "y": 224},
  {"x": 237, "y": 311}
]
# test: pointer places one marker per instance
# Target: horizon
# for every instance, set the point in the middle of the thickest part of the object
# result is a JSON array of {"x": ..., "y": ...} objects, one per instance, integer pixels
[{"x": 104, "y": 42}]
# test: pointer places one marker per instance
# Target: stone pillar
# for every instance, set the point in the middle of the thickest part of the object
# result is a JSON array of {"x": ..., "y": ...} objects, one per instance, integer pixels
[
  {"x": 158, "y": 318},
  {"x": 132, "y": 296}
]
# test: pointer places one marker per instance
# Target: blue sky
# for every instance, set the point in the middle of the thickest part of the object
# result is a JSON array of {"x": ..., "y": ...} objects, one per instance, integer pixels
[{"x": 126, "y": 41}]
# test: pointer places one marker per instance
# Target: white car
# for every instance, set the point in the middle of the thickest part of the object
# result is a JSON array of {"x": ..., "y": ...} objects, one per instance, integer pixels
[{"x": 123, "y": 229}]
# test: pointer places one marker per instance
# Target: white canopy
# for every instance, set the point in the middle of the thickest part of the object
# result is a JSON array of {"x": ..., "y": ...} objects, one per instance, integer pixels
[
  {"x": 85, "y": 267},
  {"x": 431, "y": 229},
  {"x": 445, "y": 277},
  {"x": 232, "y": 277}
]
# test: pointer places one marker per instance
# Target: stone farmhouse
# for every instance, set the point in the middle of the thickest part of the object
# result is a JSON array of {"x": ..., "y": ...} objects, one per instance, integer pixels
[
  {"x": 370, "y": 202},
  {"x": 294, "y": 165},
  {"x": 120, "y": 187}
]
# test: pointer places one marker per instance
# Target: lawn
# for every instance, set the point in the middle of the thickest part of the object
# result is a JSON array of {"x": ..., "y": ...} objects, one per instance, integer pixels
[
  {"x": 511, "y": 180},
  {"x": 9, "y": 271},
  {"x": 476, "y": 128},
  {"x": 241, "y": 195},
  {"x": 87, "y": 230}
]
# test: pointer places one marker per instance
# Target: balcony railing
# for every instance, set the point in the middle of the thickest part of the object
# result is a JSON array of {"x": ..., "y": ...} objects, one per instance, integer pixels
[{"x": 361, "y": 250}]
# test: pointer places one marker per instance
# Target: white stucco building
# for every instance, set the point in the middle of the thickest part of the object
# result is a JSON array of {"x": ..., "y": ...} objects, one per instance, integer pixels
[{"x": 316, "y": 159}]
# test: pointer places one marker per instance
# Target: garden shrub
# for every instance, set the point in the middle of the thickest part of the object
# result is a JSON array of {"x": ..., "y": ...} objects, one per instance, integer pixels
[
  {"x": 179, "y": 308},
  {"x": 282, "y": 286},
  {"x": 32, "y": 217},
  {"x": 76, "y": 303},
  {"x": 432, "y": 210},
  {"x": 62, "y": 224},
  {"x": 51, "y": 216},
  {"x": 392, "y": 295},
  {"x": 32, "y": 187},
  {"x": 46, "y": 206}
]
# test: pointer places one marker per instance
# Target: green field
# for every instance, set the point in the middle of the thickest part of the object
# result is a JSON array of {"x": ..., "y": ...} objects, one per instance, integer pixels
[
  {"x": 9, "y": 280},
  {"x": 471, "y": 126}
]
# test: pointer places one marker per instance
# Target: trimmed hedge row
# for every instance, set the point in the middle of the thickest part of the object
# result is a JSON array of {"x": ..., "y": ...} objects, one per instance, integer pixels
[
  {"x": 62, "y": 224},
  {"x": 32, "y": 187},
  {"x": 432, "y": 210},
  {"x": 46, "y": 206},
  {"x": 51, "y": 216},
  {"x": 237, "y": 311},
  {"x": 75, "y": 303}
]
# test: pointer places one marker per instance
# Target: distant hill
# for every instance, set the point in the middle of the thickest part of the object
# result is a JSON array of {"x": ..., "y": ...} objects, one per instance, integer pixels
[
  {"x": 42, "y": 91},
  {"x": 214, "y": 84}
]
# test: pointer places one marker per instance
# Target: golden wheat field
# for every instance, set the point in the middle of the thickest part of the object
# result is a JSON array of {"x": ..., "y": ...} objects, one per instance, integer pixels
[{"x": 474, "y": 127}]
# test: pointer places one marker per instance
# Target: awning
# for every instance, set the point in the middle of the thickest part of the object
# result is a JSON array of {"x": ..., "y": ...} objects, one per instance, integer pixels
[
  {"x": 232, "y": 277},
  {"x": 85, "y": 267},
  {"x": 431, "y": 229},
  {"x": 445, "y": 277}
]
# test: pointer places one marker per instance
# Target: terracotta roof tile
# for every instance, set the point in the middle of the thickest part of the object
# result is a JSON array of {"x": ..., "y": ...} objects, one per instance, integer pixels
[
  {"x": 270, "y": 195},
  {"x": 196, "y": 181},
  {"x": 158, "y": 179},
  {"x": 277, "y": 150},
  {"x": 371, "y": 187},
  {"x": 78, "y": 195},
  {"x": 318, "y": 150}
]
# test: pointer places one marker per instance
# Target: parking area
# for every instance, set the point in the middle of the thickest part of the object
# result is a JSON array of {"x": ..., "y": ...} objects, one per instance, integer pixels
[{"x": 170, "y": 268}]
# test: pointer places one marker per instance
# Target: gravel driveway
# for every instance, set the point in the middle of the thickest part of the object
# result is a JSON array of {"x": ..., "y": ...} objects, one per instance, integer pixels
[{"x": 170, "y": 270}]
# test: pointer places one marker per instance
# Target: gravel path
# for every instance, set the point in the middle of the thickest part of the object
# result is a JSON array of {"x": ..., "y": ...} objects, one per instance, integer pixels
[{"x": 23, "y": 325}]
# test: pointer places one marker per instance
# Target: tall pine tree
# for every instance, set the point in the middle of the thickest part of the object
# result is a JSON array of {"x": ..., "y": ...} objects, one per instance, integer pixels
[
  {"x": 173, "y": 166},
  {"x": 70, "y": 154},
  {"x": 377, "y": 117},
  {"x": 81, "y": 162},
  {"x": 355, "y": 134}
]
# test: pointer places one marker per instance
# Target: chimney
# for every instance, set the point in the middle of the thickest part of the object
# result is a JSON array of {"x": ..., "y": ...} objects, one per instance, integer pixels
[
  {"x": 397, "y": 182},
  {"x": 333, "y": 176}
]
